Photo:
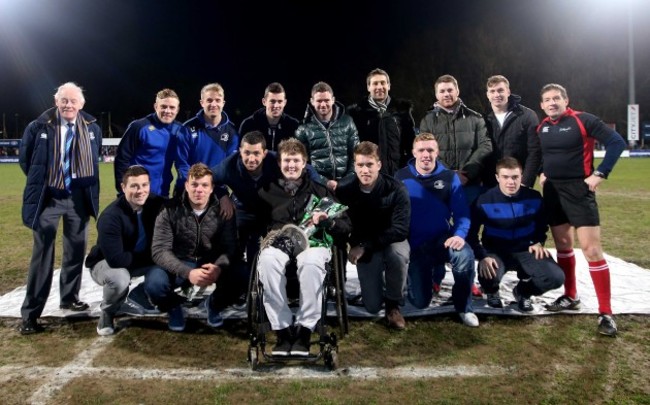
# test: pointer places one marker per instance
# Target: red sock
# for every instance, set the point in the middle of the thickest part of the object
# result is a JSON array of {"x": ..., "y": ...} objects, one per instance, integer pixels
[
  {"x": 566, "y": 259},
  {"x": 599, "y": 271}
]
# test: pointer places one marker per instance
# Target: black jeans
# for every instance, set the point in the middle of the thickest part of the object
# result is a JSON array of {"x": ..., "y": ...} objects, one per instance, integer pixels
[{"x": 536, "y": 275}]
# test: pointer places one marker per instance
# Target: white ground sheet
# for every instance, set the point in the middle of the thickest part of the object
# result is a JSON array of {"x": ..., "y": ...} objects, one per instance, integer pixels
[{"x": 630, "y": 295}]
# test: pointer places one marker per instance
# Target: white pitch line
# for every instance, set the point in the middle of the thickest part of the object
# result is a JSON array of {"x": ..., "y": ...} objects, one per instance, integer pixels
[
  {"x": 266, "y": 373},
  {"x": 60, "y": 376},
  {"x": 57, "y": 377}
]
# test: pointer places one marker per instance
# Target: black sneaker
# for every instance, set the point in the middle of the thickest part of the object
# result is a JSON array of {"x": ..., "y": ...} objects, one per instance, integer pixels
[
  {"x": 564, "y": 303},
  {"x": 138, "y": 303},
  {"x": 30, "y": 326},
  {"x": 105, "y": 325},
  {"x": 356, "y": 301},
  {"x": 283, "y": 345},
  {"x": 301, "y": 346},
  {"x": 523, "y": 303},
  {"x": 76, "y": 306},
  {"x": 606, "y": 325},
  {"x": 241, "y": 302},
  {"x": 494, "y": 300}
]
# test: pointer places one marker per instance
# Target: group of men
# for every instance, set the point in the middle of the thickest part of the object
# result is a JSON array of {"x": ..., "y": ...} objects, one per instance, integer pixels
[{"x": 460, "y": 190}]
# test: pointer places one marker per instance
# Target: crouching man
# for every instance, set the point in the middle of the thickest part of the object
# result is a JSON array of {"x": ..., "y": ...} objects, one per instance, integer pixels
[
  {"x": 193, "y": 245},
  {"x": 380, "y": 211},
  {"x": 439, "y": 225},
  {"x": 287, "y": 199},
  {"x": 123, "y": 249},
  {"x": 514, "y": 232}
]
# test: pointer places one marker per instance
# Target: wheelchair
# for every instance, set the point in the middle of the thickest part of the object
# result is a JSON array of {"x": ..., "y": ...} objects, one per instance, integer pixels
[{"x": 333, "y": 291}]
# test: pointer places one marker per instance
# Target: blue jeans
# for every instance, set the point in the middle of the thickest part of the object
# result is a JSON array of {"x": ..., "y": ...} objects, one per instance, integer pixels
[
  {"x": 160, "y": 284},
  {"x": 429, "y": 257}
]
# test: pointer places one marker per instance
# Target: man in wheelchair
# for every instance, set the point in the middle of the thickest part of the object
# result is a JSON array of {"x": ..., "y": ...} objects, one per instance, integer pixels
[{"x": 290, "y": 200}]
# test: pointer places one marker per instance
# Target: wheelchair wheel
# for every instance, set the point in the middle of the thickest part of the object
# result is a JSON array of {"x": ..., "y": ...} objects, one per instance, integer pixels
[
  {"x": 339, "y": 261},
  {"x": 253, "y": 297},
  {"x": 331, "y": 360}
]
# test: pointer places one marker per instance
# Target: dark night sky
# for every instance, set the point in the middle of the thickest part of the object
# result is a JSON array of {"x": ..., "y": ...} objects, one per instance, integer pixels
[{"x": 123, "y": 51}]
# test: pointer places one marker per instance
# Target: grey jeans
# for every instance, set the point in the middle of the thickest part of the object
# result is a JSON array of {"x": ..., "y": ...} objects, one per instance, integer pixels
[
  {"x": 384, "y": 276},
  {"x": 115, "y": 283}
]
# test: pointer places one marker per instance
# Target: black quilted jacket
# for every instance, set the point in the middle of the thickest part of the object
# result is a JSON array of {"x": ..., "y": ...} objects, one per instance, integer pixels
[{"x": 179, "y": 235}]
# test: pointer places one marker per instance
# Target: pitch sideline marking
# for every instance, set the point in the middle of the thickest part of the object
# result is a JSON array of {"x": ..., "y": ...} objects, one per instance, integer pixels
[{"x": 58, "y": 377}]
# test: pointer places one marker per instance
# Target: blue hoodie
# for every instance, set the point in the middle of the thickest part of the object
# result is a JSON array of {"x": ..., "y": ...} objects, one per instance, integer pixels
[
  {"x": 198, "y": 143},
  {"x": 150, "y": 143},
  {"x": 438, "y": 205}
]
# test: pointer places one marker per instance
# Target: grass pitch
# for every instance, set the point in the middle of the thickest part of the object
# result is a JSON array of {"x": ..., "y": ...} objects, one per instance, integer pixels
[{"x": 547, "y": 359}]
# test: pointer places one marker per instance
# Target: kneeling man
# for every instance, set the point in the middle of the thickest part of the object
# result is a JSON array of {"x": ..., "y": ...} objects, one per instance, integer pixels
[
  {"x": 380, "y": 211},
  {"x": 439, "y": 225},
  {"x": 123, "y": 249}
]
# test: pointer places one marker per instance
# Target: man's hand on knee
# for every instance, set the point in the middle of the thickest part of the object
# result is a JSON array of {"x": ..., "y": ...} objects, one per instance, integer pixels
[{"x": 487, "y": 268}]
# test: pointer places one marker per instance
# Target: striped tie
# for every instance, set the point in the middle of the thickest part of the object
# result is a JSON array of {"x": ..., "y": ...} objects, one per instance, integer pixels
[{"x": 67, "y": 176}]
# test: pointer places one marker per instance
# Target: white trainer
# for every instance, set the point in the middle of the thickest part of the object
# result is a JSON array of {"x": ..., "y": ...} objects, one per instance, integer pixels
[{"x": 469, "y": 319}]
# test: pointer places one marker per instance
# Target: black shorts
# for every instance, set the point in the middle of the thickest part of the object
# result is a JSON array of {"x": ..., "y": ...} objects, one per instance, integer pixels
[{"x": 570, "y": 201}]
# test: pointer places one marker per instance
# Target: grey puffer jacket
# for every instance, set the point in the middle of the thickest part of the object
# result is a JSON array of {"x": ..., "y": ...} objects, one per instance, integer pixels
[
  {"x": 462, "y": 139},
  {"x": 330, "y": 150},
  {"x": 179, "y": 235}
]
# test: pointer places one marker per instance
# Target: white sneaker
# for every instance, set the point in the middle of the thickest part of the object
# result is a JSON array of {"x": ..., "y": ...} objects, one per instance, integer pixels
[
  {"x": 105, "y": 325},
  {"x": 469, "y": 319}
]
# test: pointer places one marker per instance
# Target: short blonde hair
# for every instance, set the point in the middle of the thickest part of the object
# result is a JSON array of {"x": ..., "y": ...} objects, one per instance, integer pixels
[
  {"x": 424, "y": 136},
  {"x": 216, "y": 87},
  {"x": 167, "y": 93}
]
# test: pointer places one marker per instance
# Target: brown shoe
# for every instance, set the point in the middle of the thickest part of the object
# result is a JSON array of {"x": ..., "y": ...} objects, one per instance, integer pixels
[{"x": 393, "y": 316}]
